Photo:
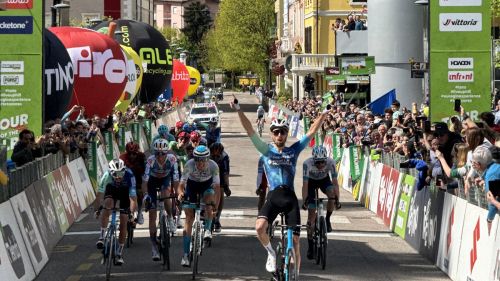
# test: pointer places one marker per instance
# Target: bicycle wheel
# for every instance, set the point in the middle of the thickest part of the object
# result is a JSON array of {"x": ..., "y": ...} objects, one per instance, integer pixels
[
  {"x": 130, "y": 234},
  {"x": 195, "y": 236},
  {"x": 291, "y": 268},
  {"x": 323, "y": 241},
  {"x": 164, "y": 242},
  {"x": 280, "y": 262},
  {"x": 317, "y": 244},
  {"x": 109, "y": 252}
]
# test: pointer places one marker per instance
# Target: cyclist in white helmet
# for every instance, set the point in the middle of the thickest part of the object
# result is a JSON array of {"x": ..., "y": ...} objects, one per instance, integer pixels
[
  {"x": 118, "y": 183},
  {"x": 161, "y": 170},
  {"x": 319, "y": 172},
  {"x": 260, "y": 114}
]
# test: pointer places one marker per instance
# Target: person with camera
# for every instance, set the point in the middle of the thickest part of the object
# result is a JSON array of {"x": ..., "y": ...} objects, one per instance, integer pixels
[{"x": 26, "y": 149}]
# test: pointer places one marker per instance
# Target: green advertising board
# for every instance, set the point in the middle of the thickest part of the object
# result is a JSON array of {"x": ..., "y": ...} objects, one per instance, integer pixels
[
  {"x": 336, "y": 148},
  {"x": 408, "y": 183},
  {"x": 92, "y": 163},
  {"x": 147, "y": 130},
  {"x": 121, "y": 138},
  {"x": 108, "y": 148},
  {"x": 135, "y": 132},
  {"x": 357, "y": 65},
  {"x": 460, "y": 57},
  {"x": 20, "y": 70}
]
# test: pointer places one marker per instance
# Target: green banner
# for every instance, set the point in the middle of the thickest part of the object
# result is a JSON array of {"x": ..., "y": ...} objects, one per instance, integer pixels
[
  {"x": 307, "y": 123},
  {"x": 147, "y": 130},
  {"x": 357, "y": 65},
  {"x": 460, "y": 57},
  {"x": 407, "y": 185},
  {"x": 20, "y": 70},
  {"x": 336, "y": 148},
  {"x": 121, "y": 138},
  {"x": 356, "y": 169},
  {"x": 108, "y": 148},
  {"x": 92, "y": 163},
  {"x": 135, "y": 132}
]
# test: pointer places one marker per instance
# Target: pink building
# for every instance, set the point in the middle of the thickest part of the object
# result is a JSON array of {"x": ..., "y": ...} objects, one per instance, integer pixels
[{"x": 170, "y": 12}]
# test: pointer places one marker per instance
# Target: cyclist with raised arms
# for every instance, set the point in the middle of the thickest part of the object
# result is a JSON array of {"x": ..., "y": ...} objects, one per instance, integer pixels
[
  {"x": 279, "y": 164},
  {"x": 200, "y": 177},
  {"x": 118, "y": 183},
  {"x": 161, "y": 169},
  {"x": 319, "y": 172}
]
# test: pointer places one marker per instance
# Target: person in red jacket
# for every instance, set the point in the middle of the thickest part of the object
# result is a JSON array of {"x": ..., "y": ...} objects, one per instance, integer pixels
[{"x": 135, "y": 160}]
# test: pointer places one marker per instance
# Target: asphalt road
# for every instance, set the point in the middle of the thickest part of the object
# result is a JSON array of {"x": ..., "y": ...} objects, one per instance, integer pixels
[{"x": 360, "y": 248}]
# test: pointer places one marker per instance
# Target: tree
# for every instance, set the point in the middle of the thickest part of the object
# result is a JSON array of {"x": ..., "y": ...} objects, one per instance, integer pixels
[
  {"x": 197, "y": 22},
  {"x": 240, "y": 40}
]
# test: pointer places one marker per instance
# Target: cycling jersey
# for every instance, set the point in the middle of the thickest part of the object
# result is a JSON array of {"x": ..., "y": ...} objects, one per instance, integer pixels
[
  {"x": 192, "y": 173},
  {"x": 261, "y": 176},
  {"x": 168, "y": 137},
  {"x": 127, "y": 182},
  {"x": 136, "y": 165},
  {"x": 157, "y": 170},
  {"x": 179, "y": 152},
  {"x": 261, "y": 113},
  {"x": 223, "y": 163},
  {"x": 212, "y": 134},
  {"x": 312, "y": 172},
  {"x": 280, "y": 166}
]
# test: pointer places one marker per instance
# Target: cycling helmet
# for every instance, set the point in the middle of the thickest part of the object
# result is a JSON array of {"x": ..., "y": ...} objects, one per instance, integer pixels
[
  {"x": 186, "y": 128},
  {"x": 216, "y": 147},
  {"x": 131, "y": 147},
  {"x": 260, "y": 107},
  {"x": 162, "y": 130},
  {"x": 201, "y": 153},
  {"x": 116, "y": 168},
  {"x": 213, "y": 120},
  {"x": 319, "y": 153},
  {"x": 279, "y": 124},
  {"x": 195, "y": 136},
  {"x": 183, "y": 135},
  {"x": 179, "y": 124},
  {"x": 160, "y": 145}
]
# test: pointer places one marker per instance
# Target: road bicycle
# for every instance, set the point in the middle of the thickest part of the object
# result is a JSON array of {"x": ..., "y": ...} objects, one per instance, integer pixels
[
  {"x": 286, "y": 268},
  {"x": 164, "y": 230},
  {"x": 131, "y": 224},
  {"x": 320, "y": 239},
  {"x": 111, "y": 245},
  {"x": 197, "y": 233},
  {"x": 260, "y": 126}
]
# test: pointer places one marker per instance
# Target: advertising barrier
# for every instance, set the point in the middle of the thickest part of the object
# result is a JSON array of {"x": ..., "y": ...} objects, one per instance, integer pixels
[{"x": 407, "y": 186}]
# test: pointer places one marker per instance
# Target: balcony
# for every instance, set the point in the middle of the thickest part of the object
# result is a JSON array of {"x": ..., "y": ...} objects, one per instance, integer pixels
[
  {"x": 351, "y": 42},
  {"x": 310, "y": 63}
]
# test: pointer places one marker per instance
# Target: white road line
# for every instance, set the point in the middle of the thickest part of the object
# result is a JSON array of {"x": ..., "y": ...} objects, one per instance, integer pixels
[{"x": 251, "y": 232}]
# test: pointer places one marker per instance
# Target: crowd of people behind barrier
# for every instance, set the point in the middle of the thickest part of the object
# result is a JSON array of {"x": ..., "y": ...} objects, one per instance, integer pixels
[
  {"x": 71, "y": 134},
  {"x": 459, "y": 155}
]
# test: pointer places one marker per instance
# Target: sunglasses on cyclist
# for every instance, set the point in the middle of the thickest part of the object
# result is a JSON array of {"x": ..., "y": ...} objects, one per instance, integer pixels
[
  {"x": 118, "y": 174},
  {"x": 160, "y": 153},
  {"x": 280, "y": 132},
  {"x": 321, "y": 162},
  {"x": 200, "y": 159}
]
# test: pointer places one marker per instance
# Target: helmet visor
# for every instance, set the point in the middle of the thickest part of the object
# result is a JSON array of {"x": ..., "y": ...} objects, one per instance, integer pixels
[{"x": 118, "y": 174}]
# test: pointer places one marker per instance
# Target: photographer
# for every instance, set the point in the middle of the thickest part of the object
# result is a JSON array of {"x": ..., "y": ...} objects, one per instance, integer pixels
[{"x": 26, "y": 149}]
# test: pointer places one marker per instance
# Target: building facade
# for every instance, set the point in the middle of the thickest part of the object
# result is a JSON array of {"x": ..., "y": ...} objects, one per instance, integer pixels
[{"x": 169, "y": 13}]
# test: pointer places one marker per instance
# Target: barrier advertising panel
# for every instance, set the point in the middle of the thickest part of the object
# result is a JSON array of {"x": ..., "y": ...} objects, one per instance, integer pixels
[
  {"x": 84, "y": 189},
  {"x": 92, "y": 163},
  {"x": 382, "y": 194},
  {"x": 476, "y": 247},
  {"x": 407, "y": 186},
  {"x": 29, "y": 231},
  {"x": 344, "y": 178},
  {"x": 56, "y": 199},
  {"x": 15, "y": 262},
  {"x": 337, "y": 149},
  {"x": 433, "y": 209},
  {"x": 413, "y": 232},
  {"x": 460, "y": 57},
  {"x": 495, "y": 263},
  {"x": 375, "y": 187},
  {"x": 327, "y": 143},
  {"x": 363, "y": 182},
  {"x": 294, "y": 125},
  {"x": 391, "y": 198},
  {"x": 108, "y": 144},
  {"x": 71, "y": 190},
  {"x": 450, "y": 238}
]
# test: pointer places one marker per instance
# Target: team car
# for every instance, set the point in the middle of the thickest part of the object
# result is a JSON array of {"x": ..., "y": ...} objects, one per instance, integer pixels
[{"x": 204, "y": 112}]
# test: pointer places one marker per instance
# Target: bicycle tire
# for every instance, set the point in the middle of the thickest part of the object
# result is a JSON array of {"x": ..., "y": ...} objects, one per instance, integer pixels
[
  {"x": 164, "y": 242},
  {"x": 195, "y": 251},
  {"x": 280, "y": 262},
  {"x": 291, "y": 272},
  {"x": 323, "y": 241},
  {"x": 109, "y": 250},
  {"x": 317, "y": 244},
  {"x": 130, "y": 234}
]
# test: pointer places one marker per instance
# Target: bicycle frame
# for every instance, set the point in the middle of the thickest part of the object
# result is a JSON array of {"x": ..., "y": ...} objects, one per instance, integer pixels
[
  {"x": 110, "y": 244},
  {"x": 197, "y": 232},
  {"x": 288, "y": 253}
]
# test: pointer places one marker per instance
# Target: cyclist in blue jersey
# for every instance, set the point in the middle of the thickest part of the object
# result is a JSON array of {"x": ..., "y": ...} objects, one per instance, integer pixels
[
  {"x": 261, "y": 189},
  {"x": 161, "y": 170},
  {"x": 212, "y": 132},
  {"x": 279, "y": 165},
  {"x": 118, "y": 183},
  {"x": 199, "y": 178},
  {"x": 220, "y": 157},
  {"x": 163, "y": 133}
]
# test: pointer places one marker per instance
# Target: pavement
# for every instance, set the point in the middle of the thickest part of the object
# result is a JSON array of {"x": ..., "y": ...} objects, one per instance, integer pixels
[{"x": 360, "y": 247}]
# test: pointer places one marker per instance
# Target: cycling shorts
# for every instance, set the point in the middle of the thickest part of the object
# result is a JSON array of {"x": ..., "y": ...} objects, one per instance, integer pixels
[
  {"x": 260, "y": 116},
  {"x": 118, "y": 194},
  {"x": 195, "y": 188},
  {"x": 157, "y": 184},
  {"x": 282, "y": 200},
  {"x": 325, "y": 185}
]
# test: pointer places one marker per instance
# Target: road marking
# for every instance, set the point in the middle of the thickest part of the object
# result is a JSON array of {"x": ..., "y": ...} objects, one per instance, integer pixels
[
  {"x": 64, "y": 248},
  {"x": 340, "y": 219},
  {"x": 74, "y": 278},
  {"x": 81, "y": 217},
  {"x": 378, "y": 220},
  {"x": 95, "y": 256},
  {"x": 251, "y": 232},
  {"x": 84, "y": 267}
]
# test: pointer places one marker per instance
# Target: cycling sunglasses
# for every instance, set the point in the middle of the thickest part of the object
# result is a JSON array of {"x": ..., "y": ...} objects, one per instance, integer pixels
[
  {"x": 200, "y": 159},
  {"x": 118, "y": 174},
  {"x": 280, "y": 132},
  {"x": 160, "y": 153},
  {"x": 321, "y": 162}
]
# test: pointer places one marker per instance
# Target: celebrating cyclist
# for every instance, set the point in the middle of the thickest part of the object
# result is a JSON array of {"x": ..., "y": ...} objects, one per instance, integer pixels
[
  {"x": 279, "y": 164},
  {"x": 135, "y": 161},
  {"x": 220, "y": 157},
  {"x": 161, "y": 169},
  {"x": 118, "y": 183},
  {"x": 319, "y": 172},
  {"x": 199, "y": 178}
]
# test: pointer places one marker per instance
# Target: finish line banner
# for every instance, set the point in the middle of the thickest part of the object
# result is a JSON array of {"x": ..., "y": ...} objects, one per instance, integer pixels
[{"x": 460, "y": 57}]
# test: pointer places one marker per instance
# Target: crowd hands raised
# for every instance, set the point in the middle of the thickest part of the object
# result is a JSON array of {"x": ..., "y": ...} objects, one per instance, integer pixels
[
  {"x": 73, "y": 135},
  {"x": 462, "y": 151}
]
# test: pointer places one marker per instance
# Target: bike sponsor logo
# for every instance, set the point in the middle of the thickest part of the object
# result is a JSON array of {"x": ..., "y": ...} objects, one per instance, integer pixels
[
  {"x": 460, "y": 3},
  {"x": 11, "y": 66},
  {"x": 460, "y": 63},
  {"x": 16, "y": 25},
  {"x": 460, "y": 76},
  {"x": 452, "y": 22},
  {"x": 12, "y": 79},
  {"x": 19, "y": 4},
  {"x": 87, "y": 64},
  {"x": 475, "y": 238}
]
